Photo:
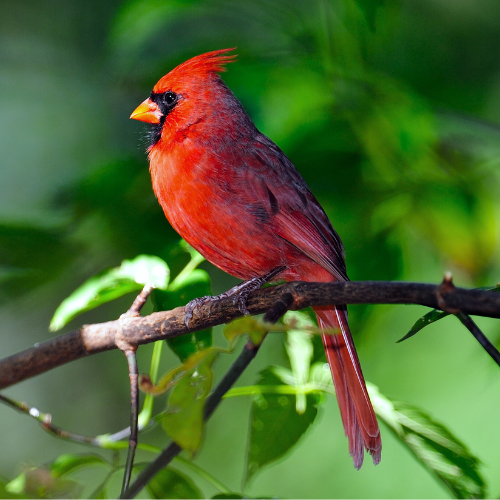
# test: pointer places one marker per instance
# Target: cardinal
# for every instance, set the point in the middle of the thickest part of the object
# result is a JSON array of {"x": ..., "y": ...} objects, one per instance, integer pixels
[{"x": 232, "y": 194}]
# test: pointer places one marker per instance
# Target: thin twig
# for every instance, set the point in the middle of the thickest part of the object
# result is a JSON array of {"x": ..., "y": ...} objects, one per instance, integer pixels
[
  {"x": 130, "y": 350},
  {"x": 479, "y": 336},
  {"x": 134, "y": 412},
  {"x": 237, "y": 368},
  {"x": 45, "y": 421}
]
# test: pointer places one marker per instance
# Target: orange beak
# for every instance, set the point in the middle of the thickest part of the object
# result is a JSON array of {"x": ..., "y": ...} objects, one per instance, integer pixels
[{"x": 148, "y": 112}]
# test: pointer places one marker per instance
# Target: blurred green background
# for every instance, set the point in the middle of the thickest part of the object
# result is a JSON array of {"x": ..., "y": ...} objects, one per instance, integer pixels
[{"x": 390, "y": 110}]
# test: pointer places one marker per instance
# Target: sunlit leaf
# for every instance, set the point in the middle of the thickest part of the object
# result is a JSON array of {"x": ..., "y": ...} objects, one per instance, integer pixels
[
  {"x": 170, "y": 483},
  {"x": 108, "y": 285},
  {"x": 433, "y": 444},
  {"x": 7, "y": 494},
  {"x": 275, "y": 425},
  {"x": 300, "y": 351},
  {"x": 195, "y": 284},
  {"x": 183, "y": 419}
]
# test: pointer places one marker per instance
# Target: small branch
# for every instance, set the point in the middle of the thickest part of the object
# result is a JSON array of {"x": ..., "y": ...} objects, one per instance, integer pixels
[
  {"x": 140, "y": 300},
  {"x": 134, "y": 412},
  {"x": 136, "y": 330},
  {"x": 479, "y": 336},
  {"x": 45, "y": 421},
  {"x": 133, "y": 372},
  {"x": 237, "y": 368}
]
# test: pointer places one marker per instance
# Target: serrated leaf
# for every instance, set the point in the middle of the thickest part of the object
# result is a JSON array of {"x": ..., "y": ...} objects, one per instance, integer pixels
[
  {"x": 170, "y": 483},
  {"x": 183, "y": 419},
  {"x": 300, "y": 351},
  {"x": 196, "y": 284},
  {"x": 247, "y": 324},
  {"x": 110, "y": 284},
  {"x": 275, "y": 425},
  {"x": 65, "y": 464},
  {"x": 437, "y": 449}
]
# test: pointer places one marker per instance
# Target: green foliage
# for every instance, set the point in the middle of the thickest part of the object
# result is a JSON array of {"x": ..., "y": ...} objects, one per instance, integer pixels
[
  {"x": 433, "y": 316},
  {"x": 110, "y": 284},
  {"x": 275, "y": 424},
  {"x": 255, "y": 329},
  {"x": 390, "y": 111},
  {"x": 183, "y": 418},
  {"x": 196, "y": 284},
  {"x": 170, "y": 483},
  {"x": 433, "y": 445}
]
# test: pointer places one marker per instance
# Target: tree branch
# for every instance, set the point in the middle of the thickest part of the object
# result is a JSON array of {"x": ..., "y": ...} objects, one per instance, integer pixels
[{"x": 91, "y": 339}]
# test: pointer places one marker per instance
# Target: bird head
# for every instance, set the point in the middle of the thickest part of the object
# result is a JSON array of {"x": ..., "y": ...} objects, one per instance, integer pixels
[{"x": 185, "y": 96}]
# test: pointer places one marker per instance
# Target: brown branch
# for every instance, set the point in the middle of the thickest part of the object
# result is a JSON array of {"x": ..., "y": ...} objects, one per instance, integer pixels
[{"x": 91, "y": 339}]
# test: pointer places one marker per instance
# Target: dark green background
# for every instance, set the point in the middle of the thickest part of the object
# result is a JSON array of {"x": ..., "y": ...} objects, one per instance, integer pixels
[{"x": 390, "y": 110}]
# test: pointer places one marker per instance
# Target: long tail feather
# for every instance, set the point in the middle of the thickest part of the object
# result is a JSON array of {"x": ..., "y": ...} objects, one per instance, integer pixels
[{"x": 358, "y": 417}]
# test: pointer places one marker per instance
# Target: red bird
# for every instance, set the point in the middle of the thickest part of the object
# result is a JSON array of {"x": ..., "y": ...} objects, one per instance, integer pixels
[{"x": 232, "y": 194}]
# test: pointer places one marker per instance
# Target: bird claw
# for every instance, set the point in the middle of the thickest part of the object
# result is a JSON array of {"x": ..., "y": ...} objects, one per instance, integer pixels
[
  {"x": 239, "y": 293},
  {"x": 194, "y": 304}
]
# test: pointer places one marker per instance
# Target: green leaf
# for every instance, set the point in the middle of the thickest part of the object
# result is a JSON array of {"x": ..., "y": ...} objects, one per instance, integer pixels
[
  {"x": 183, "y": 419},
  {"x": 170, "y": 483},
  {"x": 300, "y": 351},
  {"x": 422, "y": 322},
  {"x": 65, "y": 464},
  {"x": 41, "y": 483},
  {"x": 247, "y": 324},
  {"x": 196, "y": 284},
  {"x": 433, "y": 444},
  {"x": 436, "y": 315},
  {"x": 110, "y": 284},
  {"x": 228, "y": 495},
  {"x": 275, "y": 425}
]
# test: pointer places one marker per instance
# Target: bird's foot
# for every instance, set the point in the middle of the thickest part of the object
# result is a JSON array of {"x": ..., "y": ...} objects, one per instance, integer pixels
[{"x": 240, "y": 293}]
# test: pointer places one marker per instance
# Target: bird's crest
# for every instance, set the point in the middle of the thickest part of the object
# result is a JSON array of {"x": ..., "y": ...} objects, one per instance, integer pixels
[{"x": 204, "y": 64}]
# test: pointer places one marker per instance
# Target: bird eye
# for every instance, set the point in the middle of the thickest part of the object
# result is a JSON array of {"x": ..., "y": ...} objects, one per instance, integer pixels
[{"x": 169, "y": 98}]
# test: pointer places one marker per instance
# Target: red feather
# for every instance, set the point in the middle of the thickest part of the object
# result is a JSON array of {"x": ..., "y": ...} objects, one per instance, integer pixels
[{"x": 234, "y": 196}]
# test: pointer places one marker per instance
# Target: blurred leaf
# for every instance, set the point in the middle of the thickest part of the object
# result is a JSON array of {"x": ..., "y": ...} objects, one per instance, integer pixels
[
  {"x": 247, "y": 324},
  {"x": 138, "y": 20},
  {"x": 229, "y": 495},
  {"x": 170, "y": 483},
  {"x": 65, "y": 464},
  {"x": 300, "y": 351},
  {"x": 30, "y": 255},
  {"x": 183, "y": 419},
  {"x": 275, "y": 425},
  {"x": 437, "y": 449},
  {"x": 195, "y": 284},
  {"x": 4, "y": 493},
  {"x": 108, "y": 285},
  {"x": 41, "y": 483}
]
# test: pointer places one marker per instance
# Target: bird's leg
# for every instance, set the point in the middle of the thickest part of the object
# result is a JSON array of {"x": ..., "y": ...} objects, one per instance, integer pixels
[{"x": 240, "y": 293}]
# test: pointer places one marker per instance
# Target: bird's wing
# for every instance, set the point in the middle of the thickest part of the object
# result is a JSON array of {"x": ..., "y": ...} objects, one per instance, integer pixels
[{"x": 281, "y": 196}]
